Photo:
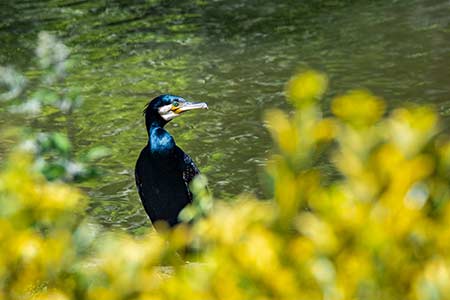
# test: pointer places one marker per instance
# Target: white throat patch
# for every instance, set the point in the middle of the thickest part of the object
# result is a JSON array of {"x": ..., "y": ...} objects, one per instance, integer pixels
[{"x": 166, "y": 113}]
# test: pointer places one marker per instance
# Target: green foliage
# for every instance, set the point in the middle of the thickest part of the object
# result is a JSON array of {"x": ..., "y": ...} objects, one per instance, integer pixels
[
  {"x": 53, "y": 157},
  {"x": 379, "y": 230},
  {"x": 202, "y": 203},
  {"x": 52, "y": 151}
]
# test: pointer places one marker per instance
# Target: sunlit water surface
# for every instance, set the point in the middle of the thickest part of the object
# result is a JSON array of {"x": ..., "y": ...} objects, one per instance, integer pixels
[{"x": 235, "y": 55}]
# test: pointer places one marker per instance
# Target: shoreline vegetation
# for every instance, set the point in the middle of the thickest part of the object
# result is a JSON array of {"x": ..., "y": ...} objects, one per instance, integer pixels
[{"x": 379, "y": 229}]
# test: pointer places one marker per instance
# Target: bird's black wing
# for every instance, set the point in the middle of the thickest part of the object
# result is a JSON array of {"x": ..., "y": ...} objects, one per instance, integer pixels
[{"x": 188, "y": 168}]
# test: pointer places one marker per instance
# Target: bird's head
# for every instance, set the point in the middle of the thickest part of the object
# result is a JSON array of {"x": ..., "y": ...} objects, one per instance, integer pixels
[{"x": 165, "y": 108}]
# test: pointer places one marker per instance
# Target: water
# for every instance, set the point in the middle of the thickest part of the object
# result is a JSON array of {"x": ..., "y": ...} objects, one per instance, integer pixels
[{"x": 236, "y": 56}]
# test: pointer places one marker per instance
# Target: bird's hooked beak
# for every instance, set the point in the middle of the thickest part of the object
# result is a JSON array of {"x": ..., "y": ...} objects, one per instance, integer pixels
[
  {"x": 186, "y": 106},
  {"x": 171, "y": 111}
]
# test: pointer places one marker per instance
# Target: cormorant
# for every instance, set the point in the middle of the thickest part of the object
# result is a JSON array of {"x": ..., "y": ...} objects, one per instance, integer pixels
[{"x": 163, "y": 171}]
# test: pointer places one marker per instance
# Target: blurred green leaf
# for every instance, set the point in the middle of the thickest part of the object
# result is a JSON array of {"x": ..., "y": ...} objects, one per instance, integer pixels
[
  {"x": 45, "y": 96},
  {"x": 53, "y": 171},
  {"x": 96, "y": 153},
  {"x": 61, "y": 143}
]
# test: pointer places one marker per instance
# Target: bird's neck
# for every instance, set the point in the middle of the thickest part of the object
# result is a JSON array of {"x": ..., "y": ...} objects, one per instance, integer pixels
[
  {"x": 152, "y": 119},
  {"x": 161, "y": 143}
]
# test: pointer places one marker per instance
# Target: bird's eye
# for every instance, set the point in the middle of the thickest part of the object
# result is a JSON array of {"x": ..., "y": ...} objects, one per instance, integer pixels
[{"x": 175, "y": 103}]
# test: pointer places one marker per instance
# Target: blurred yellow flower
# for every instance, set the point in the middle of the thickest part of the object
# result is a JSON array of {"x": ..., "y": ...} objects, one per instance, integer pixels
[
  {"x": 284, "y": 131},
  {"x": 358, "y": 108},
  {"x": 306, "y": 87},
  {"x": 371, "y": 221},
  {"x": 411, "y": 129}
]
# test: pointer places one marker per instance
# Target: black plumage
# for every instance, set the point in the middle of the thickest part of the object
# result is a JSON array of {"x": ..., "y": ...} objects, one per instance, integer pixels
[{"x": 163, "y": 171}]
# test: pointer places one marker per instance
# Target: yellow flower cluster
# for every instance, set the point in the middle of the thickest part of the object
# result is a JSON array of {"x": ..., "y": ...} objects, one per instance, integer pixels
[{"x": 360, "y": 211}]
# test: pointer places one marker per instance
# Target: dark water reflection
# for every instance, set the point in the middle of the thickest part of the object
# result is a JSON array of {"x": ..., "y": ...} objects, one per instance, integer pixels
[{"x": 236, "y": 56}]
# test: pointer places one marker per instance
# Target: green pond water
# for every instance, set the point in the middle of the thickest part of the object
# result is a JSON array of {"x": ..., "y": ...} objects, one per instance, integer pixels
[{"x": 235, "y": 55}]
